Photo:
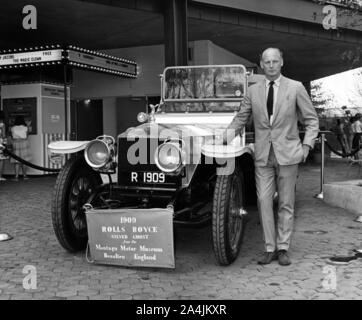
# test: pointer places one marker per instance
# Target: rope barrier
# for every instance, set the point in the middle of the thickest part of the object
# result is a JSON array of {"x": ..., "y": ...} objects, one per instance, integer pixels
[
  {"x": 27, "y": 163},
  {"x": 342, "y": 154}
]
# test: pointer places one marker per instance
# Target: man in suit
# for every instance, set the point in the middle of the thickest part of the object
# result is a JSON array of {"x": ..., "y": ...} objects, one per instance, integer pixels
[{"x": 276, "y": 104}]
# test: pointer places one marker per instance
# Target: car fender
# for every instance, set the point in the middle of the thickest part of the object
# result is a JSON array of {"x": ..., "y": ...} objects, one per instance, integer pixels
[
  {"x": 224, "y": 152},
  {"x": 67, "y": 147}
]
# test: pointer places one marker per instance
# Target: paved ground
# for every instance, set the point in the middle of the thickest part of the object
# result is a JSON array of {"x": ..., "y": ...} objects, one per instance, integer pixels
[{"x": 25, "y": 213}]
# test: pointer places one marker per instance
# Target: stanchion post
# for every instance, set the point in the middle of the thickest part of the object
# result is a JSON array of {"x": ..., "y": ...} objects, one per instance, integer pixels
[
  {"x": 320, "y": 194},
  {"x": 3, "y": 235}
]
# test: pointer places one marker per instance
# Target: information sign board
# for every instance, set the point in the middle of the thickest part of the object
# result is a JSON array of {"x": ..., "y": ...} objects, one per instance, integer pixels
[{"x": 131, "y": 237}]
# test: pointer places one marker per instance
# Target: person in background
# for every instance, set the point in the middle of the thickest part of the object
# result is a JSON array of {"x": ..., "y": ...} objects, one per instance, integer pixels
[
  {"x": 357, "y": 129},
  {"x": 3, "y": 141},
  {"x": 352, "y": 120},
  {"x": 347, "y": 128},
  {"x": 21, "y": 146},
  {"x": 341, "y": 136}
]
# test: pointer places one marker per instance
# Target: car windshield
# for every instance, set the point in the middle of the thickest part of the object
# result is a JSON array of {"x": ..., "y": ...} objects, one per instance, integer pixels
[{"x": 203, "y": 88}]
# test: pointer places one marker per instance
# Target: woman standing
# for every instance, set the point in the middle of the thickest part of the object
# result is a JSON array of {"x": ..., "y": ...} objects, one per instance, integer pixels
[
  {"x": 3, "y": 157},
  {"x": 21, "y": 146},
  {"x": 348, "y": 133}
]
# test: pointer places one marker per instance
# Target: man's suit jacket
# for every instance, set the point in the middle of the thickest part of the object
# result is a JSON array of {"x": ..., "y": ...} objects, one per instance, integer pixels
[{"x": 293, "y": 104}]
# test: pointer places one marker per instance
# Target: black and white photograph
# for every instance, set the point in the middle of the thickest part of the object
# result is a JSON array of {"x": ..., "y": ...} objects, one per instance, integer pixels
[{"x": 181, "y": 155}]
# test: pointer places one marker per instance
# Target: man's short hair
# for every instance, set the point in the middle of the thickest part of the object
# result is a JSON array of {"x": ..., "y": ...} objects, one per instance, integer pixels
[{"x": 280, "y": 52}]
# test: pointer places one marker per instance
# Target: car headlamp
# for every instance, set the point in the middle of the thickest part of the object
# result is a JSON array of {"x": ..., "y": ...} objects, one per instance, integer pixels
[
  {"x": 99, "y": 152},
  {"x": 169, "y": 156}
]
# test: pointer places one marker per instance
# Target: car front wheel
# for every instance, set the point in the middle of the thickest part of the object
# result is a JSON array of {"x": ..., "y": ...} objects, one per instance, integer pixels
[
  {"x": 74, "y": 185},
  {"x": 228, "y": 216}
]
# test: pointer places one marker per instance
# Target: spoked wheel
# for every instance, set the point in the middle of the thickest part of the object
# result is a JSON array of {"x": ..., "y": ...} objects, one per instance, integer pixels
[
  {"x": 74, "y": 185},
  {"x": 81, "y": 189},
  {"x": 228, "y": 216}
]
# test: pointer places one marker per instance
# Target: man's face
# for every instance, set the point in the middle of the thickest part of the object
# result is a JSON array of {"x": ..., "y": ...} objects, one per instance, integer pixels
[{"x": 271, "y": 62}]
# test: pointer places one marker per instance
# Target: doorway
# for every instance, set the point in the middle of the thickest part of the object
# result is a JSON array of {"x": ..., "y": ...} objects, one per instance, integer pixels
[
  {"x": 127, "y": 110},
  {"x": 129, "y": 107},
  {"x": 87, "y": 119}
]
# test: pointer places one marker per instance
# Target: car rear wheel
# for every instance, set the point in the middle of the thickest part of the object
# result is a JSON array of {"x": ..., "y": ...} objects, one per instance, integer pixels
[
  {"x": 228, "y": 216},
  {"x": 74, "y": 185}
]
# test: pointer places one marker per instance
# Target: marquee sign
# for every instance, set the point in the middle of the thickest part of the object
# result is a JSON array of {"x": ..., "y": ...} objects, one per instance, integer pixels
[
  {"x": 98, "y": 61},
  {"x": 71, "y": 55},
  {"x": 30, "y": 57}
]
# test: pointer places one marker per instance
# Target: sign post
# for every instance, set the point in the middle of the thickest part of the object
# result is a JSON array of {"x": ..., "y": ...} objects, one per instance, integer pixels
[{"x": 320, "y": 194}]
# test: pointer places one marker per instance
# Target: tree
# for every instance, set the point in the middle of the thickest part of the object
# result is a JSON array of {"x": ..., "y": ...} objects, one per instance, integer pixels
[
  {"x": 349, "y": 15},
  {"x": 322, "y": 100}
]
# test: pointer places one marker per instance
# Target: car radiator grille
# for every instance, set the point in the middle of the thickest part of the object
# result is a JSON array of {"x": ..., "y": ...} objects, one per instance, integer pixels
[{"x": 136, "y": 165}]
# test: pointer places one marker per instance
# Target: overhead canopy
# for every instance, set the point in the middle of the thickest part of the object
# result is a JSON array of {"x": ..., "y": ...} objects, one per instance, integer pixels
[{"x": 310, "y": 51}]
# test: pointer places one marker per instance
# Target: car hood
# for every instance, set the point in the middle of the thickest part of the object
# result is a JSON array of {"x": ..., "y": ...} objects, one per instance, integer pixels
[
  {"x": 182, "y": 126},
  {"x": 154, "y": 130}
]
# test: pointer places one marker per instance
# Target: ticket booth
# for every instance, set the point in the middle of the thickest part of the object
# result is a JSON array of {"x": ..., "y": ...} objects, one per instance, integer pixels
[
  {"x": 42, "y": 106},
  {"x": 36, "y": 82}
]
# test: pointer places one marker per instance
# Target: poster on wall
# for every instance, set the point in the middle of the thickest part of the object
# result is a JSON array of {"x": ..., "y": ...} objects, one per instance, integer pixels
[{"x": 53, "y": 113}]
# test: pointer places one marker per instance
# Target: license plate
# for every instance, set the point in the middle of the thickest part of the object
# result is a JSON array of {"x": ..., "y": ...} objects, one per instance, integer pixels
[{"x": 147, "y": 177}]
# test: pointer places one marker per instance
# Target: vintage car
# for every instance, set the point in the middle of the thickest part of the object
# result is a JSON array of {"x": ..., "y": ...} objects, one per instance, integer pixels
[{"x": 174, "y": 159}]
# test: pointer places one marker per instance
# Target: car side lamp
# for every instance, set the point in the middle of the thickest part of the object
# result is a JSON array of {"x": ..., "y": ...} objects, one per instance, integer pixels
[{"x": 142, "y": 117}]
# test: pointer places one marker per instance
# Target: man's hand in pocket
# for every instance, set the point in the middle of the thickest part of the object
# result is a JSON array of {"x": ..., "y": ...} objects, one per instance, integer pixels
[{"x": 306, "y": 149}]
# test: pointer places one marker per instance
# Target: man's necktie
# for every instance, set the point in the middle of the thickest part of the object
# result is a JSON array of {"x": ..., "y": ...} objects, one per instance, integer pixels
[{"x": 270, "y": 99}]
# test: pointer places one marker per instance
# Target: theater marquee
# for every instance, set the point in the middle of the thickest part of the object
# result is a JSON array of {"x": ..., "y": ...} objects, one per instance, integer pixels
[
  {"x": 30, "y": 57},
  {"x": 70, "y": 55}
]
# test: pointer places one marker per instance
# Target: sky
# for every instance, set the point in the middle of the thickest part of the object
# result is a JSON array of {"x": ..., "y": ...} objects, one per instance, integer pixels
[{"x": 345, "y": 89}]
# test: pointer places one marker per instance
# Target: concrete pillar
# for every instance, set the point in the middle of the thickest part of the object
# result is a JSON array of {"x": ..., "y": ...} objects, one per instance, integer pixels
[{"x": 175, "y": 32}]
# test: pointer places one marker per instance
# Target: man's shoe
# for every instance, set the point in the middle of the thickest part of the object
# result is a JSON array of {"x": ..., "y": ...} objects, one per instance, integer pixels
[
  {"x": 283, "y": 258},
  {"x": 268, "y": 257}
]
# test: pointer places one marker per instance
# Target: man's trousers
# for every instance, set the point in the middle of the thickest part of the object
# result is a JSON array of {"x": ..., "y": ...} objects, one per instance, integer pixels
[{"x": 268, "y": 179}]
